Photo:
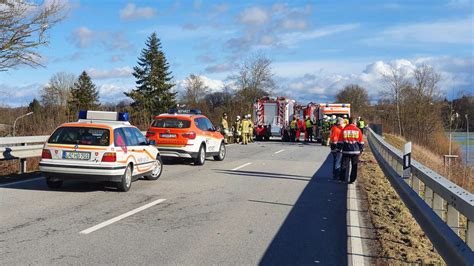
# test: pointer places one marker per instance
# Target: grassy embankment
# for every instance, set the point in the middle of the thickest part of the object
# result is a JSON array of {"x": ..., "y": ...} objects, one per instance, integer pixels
[{"x": 401, "y": 239}]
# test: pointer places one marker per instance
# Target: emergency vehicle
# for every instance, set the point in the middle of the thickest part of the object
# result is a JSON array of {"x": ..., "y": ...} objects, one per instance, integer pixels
[
  {"x": 318, "y": 111},
  {"x": 271, "y": 116},
  {"x": 100, "y": 146},
  {"x": 187, "y": 134}
]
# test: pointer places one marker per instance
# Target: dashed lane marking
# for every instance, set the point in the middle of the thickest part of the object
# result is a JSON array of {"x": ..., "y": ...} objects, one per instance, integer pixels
[
  {"x": 277, "y": 152},
  {"x": 20, "y": 182},
  {"x": 120, "y": 217},
  {"x": 242, "y": 166}
]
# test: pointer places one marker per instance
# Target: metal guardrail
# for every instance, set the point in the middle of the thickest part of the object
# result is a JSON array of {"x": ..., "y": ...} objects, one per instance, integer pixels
[
  {"x": 21, "y": 148},
  {"x": 437, "y": 204}
]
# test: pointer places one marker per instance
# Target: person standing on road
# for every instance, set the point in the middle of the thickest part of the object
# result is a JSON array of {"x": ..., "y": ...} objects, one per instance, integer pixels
[
  {"x": 252, "y": 129},
  {"x": 309, "y": 129},
  {"x": 351, "y": 142},
  {"x": 237, "y": 131},
  {"x": 245, "y": 130},
  {"x": 225, "y": 128},
  {"x": 293, "y": 127},
  {"x": 335, "y": 151},
  {"x": 361, "y": 125}
]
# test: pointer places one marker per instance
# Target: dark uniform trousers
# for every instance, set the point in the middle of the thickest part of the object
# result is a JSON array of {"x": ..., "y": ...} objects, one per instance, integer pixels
[{"x": 353, "y": 160}]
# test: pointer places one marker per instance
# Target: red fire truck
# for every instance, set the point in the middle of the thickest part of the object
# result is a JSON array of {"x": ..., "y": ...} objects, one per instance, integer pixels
[{"x": 271, "y": 116}]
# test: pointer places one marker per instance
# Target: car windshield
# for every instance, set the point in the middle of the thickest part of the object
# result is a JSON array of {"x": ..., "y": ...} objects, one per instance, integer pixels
[
  {"x": 81, "y": 136},
  {"x": 171, "y": 123}
]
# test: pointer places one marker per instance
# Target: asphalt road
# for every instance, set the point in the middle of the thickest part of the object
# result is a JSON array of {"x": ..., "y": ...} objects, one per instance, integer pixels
[{"x": 267, "y": 203}]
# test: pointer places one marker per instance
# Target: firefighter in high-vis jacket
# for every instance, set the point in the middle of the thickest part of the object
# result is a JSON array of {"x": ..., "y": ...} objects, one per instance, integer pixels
[
  {"x": 351, "y": 143},
  {"x": 245, "y": 128},
  {"x": 225, "y": 128},
  {"x": 237, "y": 130},
  {"x": 252, "y": 128},
  {"x": 325, "y": 130}
]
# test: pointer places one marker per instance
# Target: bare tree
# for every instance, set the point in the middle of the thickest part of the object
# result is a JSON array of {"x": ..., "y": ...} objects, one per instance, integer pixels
[
  {"x": 357, "y": 96},
  {"x": 58, "y": 90},
  {"x": 396, "y": 81},
  {"x": 23, "y": 29},
  {"x": 195, "y": 90},
  {"x": 254, "y": 79}
]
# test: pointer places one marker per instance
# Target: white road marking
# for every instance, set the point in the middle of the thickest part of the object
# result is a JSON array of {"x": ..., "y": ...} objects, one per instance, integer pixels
[
  {"x": 354, "y": 244},
  {"x": 242, "y": 166},
  {"x": 120, "y": 217},
  {"x": 21, "y": 182},
  {"x": 277, "y": 152}
]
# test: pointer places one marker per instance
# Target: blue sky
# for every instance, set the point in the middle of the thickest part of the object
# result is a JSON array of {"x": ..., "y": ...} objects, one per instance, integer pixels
[{"x": 316, "y": 47}]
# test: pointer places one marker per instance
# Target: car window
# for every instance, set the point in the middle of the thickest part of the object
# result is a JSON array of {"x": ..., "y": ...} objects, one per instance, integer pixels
[
  {"x": 209, "y": 126},
  {"x": 119, "y": 138},
  {"x": 130, "y": 136},
  {"x": 201, "y": 123},
  {"x": 81, "y": 135},
  {"x": 141, "y": 139},
  {"x": 171, "y": 122}
]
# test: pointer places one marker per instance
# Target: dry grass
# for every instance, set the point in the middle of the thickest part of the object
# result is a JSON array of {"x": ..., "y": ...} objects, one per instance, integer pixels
[
  {"x": 401, "y": 239},
  {"x": 12, "y": 167},
  {"x": 460, "y": 174}
]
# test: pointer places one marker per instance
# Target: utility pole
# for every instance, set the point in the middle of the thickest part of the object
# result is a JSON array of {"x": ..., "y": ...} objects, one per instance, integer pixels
[{"x": 467, "y": 138}]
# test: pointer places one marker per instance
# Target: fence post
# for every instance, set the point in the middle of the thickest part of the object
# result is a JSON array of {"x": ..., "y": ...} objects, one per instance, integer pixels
[
  {"x": 453, "y": 218},
  {"x": 470, "y": 234},
  {"x": 416, "y": 184},
  {"x": 428, "y": 197},
  {"x": 438, "y": 206},
  {"x": 23, "y": 162}
]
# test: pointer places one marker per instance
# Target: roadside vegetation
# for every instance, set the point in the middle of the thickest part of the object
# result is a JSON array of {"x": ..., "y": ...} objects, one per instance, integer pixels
[{"x": 401, "y": 239}]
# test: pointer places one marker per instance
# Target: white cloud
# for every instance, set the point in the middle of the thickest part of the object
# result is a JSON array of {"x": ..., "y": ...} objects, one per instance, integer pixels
[
  {"x": 456, "y": 31},
  {"x": 119, "y": 72},
  {"x": 320, "y": 85},
  {"x": 292, "y": 38},
  {"x": 84, "y": 37},
  {"x": 218, "y": 68},
  {"x": 19, "y": 95},
  {"x": 132, "y": 12},
  {"x": 212, "y": 84},
  {"x": 254, "y": 16}
]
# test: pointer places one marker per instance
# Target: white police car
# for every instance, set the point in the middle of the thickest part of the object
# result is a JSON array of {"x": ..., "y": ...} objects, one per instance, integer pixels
[{"x": 100, "y": 146}]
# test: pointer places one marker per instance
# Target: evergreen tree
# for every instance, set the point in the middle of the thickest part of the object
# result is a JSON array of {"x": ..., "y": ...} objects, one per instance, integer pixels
[
  {"x": 153, "y": 94},
  {"x": 84, "y": 94}
]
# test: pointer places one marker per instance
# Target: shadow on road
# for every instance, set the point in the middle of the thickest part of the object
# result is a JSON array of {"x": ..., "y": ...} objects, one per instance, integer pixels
[
  {"x": 264, "y": 174},
  {"x": 315, "y": 230}
]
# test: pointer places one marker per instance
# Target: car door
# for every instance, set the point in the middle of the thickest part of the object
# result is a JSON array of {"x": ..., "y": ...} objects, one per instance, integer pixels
[
  {"x": 134, "y": 149},
  {"x": 149, "y": 152},
  {"x": 214, "y": 140}
]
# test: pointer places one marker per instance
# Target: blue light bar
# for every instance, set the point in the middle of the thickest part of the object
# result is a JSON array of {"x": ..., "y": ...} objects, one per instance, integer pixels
[
  {"x": 123, "y": 116},
  {"x": 82, "y": 114}
]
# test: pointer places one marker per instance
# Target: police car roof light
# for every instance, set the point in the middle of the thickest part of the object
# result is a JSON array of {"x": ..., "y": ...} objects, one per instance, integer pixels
[{"x": 102, "y": 115}]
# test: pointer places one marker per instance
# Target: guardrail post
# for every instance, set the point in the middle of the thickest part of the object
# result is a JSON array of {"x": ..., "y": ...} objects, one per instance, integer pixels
[
  {"x": 428, "y": 197},
  {"x": 453, "y": 218},
  {"x": 23, "y": 162},
  {"x": 416, "y": 184},
  {"x": 470, "y": 234},
  {"x": 438, "y": 205}
]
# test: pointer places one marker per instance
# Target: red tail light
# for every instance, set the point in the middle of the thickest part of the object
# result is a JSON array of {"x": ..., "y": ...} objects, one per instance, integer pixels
[
  {"x": 46, "y": 154},
  {"x": 189, "y": 135},
  {"x": 150, "y": 133},
  {"x": 109, "y": 157}
]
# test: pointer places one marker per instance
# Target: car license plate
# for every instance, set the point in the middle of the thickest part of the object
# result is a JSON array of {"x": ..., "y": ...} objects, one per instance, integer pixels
[
  {"x": 168, "y": 136},
  {"x": 74, "y": 155}
]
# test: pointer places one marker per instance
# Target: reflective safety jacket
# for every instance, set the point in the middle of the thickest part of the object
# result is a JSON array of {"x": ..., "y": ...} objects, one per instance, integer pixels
[
  {"x": 224, "y": 124},
  {"x": 361, "y": 124},
  {"x": 335, "y": 133},
  {"x": 293, "y": 124},
  {"x": 309, "y": 123},
  {"x": 245, "y": 126},
  {"x": 351, "y": 140}
]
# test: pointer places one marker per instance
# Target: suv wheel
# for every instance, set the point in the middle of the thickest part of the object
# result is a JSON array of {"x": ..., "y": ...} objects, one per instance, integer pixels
[
  {"x": 53, "y": 183},
  {"x": 157, "y": 170},
  {"x": 222, "y": 152},
  {"x": 201, "y": 158},
  {"x": 126, "y": 182}
]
